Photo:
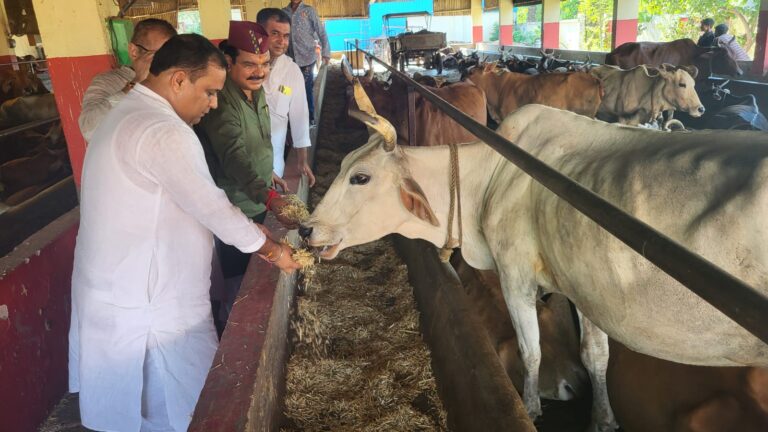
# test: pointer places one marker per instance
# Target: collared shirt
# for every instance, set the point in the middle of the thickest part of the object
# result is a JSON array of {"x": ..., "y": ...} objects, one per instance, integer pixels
[
  {"x": 142, "y": 264},
  {"x": 730, "y": 43},
  {"x": 236, "y": 138},
  {"x": 105, "y": 91},
  {"x": 287, "y": 100},
  {"x": 305, "y": 25}
]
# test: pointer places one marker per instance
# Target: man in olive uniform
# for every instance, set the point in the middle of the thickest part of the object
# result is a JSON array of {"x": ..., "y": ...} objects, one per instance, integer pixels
[{"x": 237, "y": 142}]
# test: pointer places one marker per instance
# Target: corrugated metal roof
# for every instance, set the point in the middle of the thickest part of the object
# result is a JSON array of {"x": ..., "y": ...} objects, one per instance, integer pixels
[
  {"x": 452, "y": 7},
  {"x": 339, "y": 8}
]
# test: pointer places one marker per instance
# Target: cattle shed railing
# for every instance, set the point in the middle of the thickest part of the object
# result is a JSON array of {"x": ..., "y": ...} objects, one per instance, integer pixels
[{"x": 731, "y": 296}]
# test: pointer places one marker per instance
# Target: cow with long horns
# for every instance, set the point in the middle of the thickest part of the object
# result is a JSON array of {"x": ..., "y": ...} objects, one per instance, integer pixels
[
  {"x": 433, "y": 127},
  {"x": 706, "y": 190}
]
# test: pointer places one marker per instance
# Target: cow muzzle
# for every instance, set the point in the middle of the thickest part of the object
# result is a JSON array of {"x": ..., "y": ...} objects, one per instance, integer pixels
[{"x": 305, "y": 231}]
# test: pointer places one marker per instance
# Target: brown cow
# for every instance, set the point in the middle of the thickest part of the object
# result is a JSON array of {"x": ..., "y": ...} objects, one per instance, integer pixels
[
  {"x": 507, "y": 91},
  {"x": 681, "y": 52},
  {"x": 433, "y": 127},
  {"x": 648, "y": 394},
  {"x": 19, "y": 83},
  {"x": 562, "y": 375}
]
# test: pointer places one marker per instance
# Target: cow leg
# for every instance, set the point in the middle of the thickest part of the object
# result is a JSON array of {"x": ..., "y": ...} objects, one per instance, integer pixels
[
  {"x": 594, "y": 355},
  {"x": 522, "y": 309}
]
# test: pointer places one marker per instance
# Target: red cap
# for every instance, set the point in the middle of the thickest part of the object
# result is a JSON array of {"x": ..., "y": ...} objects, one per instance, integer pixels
[{"x": 248, "y": 36}]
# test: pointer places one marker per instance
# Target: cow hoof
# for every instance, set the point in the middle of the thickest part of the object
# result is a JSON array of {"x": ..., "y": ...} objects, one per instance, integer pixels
[
  {"x": 533, "y": 407},
  {"x": 602, "y": 427}
]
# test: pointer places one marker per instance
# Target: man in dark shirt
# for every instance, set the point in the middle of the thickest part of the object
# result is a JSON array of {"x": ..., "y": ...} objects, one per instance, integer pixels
[{"x": 707, "y": 39}]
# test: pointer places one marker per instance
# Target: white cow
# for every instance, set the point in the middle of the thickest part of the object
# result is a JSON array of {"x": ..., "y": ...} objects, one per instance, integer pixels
[
  {"x": 641, "y": 94},
  {"x": 707, "y": 190}
]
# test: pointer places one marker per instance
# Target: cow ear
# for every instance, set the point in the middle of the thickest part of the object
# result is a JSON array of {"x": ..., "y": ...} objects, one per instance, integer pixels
[
  {"x": 693, "y": 70},
  {"x": 415, "y": 201}
]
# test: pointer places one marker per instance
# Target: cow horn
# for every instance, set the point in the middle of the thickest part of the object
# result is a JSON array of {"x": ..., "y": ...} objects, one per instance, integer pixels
[
  {"x": 367, "y": 114},
  {"x": 648, "y": 71},
  {"x": 346, "y": 69},
  {"x": 668, "y": 67},
  {"x": 362, "y": 99}
]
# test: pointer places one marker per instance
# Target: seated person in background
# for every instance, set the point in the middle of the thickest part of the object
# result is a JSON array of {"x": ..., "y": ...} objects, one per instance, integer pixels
[
  {"x": 729, "y": 42},
  {"x": 108, "y": 88},
  {"x": 707, "y": 39}
]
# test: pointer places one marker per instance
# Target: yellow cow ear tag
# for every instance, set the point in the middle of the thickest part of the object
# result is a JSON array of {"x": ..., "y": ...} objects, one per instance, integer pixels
[{"x": 284, "y": 89}]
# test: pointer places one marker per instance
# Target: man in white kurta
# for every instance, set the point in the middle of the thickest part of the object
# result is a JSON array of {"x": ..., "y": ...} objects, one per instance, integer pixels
[
  {"x": 149, "y": 209},
  {"x": 285, "y": 94},
  {"x": 108, "y": 88}
]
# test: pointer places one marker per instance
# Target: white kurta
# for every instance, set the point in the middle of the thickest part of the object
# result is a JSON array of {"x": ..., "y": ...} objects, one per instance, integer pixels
[
  {"x": 143, "y": 263},
  {"x": 287, "y": 101},
  {"x": 104, "y": 92}
]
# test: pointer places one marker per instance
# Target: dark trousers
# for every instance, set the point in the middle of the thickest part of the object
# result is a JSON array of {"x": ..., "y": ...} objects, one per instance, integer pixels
[
  {"x": 233, "y": 262},
  {"x": 309, "y": 83},
  {"x": 233, "y": 266}
]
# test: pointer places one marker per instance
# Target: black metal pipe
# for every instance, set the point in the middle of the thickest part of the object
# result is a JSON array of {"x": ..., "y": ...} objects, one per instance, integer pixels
[
  {"x": 731, "y": 296},
  {"x": 25, "y": 126}
]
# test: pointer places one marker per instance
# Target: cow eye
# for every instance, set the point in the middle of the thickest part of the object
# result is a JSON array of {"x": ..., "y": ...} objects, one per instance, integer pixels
[
  {"x": 683, "y": 85},
  {"x": 359, "y": 179}
]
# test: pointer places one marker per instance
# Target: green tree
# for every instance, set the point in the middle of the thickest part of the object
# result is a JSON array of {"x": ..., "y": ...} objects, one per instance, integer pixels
[
  {"x": 494, "y": 36},
  {"x": 569, "y": 9},
  {"x": 598, "y": 15},
  {"x": 740, "y": 15}
]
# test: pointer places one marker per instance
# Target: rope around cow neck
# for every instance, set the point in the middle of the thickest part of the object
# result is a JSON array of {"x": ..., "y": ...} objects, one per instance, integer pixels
[{"x": 454, "y": 185}]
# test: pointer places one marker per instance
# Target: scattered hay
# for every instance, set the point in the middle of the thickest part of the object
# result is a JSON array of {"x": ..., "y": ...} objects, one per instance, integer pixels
[
  {"x": 296, "y": 209},
  {"x": 359, "y": 363},
  {"x": 307, "y": 261}
]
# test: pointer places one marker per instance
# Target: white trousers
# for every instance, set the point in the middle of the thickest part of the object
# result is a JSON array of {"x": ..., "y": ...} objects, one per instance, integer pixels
[{"x": 154, "y": 414}]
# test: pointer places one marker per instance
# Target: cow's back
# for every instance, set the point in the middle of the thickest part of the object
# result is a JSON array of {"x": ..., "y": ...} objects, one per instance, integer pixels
[
  {"x": 706, "y": 190},
  {"x": 434, "y": 127},
  {"x": 679, "y": 52},
  {"x": 573, "y": 91}
]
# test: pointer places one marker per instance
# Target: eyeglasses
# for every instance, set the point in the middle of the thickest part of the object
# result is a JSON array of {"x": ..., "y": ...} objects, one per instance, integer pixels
[{"x": 145, "y": 49}]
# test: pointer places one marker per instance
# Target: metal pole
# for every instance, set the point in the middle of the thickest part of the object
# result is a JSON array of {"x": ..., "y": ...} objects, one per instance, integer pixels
[
  {"x": 21, "y": 128},
  {"x": 731, "y": 296}
]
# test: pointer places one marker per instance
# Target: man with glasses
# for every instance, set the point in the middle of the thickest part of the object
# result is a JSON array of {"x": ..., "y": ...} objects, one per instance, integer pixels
[
  {"x": 286, "y": 95},
  {"x": 108, "y": 88},
  {"x": 236, "y": 138}
]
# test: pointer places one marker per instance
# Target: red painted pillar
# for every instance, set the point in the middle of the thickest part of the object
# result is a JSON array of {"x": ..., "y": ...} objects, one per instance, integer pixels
[
  {"x": 550, "y": 29},
  {"x": 760, "y": 63},
  {"x": 624, "y": 21},
  {"x": 78, "y": 48},
  {"x": 506, "y": 22},
  {"x": 477, "y": 20}
]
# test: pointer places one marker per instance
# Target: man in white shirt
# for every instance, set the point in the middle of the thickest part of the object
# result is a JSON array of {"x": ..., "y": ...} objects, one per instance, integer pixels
[
  {"x": 108, "y": 88},
  {"x": 148, "y": 212},
  {"x": 286, "y": 95}
]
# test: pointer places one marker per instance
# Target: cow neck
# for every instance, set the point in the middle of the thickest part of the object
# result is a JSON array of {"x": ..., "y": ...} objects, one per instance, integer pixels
[{"x": 454, "y": 208}]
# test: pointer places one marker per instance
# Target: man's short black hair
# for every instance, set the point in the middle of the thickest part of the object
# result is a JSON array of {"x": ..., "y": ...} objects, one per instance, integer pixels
[
  {"x": 721, "y": 29},
  {"x": 143, "y": 27},
  {"x": 267, "y": 14},
  {"x": 229, "y": 50},
  {"x": 708, "y": 22},
  {"x": 190, "y": 52}
]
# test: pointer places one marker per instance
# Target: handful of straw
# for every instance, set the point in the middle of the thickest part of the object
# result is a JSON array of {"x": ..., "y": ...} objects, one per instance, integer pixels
[{"x": 296, "y": 209}]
